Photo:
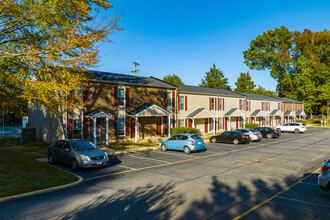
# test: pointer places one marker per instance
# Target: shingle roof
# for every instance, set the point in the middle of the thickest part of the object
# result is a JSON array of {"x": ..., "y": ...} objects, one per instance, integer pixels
[
  {"x": 288, "y": 100},
  {"x": 274, "y": 112},
  {"x": 97, "y": 114},
  {"x": 128, "y": 79},
  {"x": 256, "y": 112},
  {"x": 231, "y": 111},
  {"x": 146, "y": 108},
  {"x": 196, "y": 112},
  {"x": 287, "y": 113},
  {"x": 258, "y": 96},
  {"x": 140, "y": 109},
  {"x": 205, "y": 90}
]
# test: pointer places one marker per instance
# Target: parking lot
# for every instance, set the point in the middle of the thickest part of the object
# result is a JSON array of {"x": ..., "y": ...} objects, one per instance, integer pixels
[{"x": 271, "y": 179}]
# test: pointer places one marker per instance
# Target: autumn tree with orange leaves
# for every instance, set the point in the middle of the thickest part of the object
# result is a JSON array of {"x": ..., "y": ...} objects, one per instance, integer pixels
[{"x": 47, "y": 45}]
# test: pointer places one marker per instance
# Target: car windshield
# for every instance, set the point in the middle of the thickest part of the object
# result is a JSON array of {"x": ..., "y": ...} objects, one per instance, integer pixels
[
  {"x": 195, "y": 137},
  {"x": 82, "y": 145}
]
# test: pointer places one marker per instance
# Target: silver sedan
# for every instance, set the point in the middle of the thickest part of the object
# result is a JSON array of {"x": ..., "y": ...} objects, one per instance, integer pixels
[{"x": 254, "y": 135}]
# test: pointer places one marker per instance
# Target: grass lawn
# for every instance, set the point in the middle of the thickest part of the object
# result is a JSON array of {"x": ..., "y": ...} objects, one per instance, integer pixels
[
  {"x": 129, "y": 145},
  {"x": 20, "y": 172}
]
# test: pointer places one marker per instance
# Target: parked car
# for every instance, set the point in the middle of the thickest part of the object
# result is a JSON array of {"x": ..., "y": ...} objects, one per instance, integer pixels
[
  {"x": 77, "y": 153},
  {"x": 183, "y": 142},
  {"x": 234, "y": 137},
  {"x": 268, "y": 132},
  {"x": 324, "y": 177},
  {"x": 254, "y": 135},
  {"x": 292, "y": 127}
]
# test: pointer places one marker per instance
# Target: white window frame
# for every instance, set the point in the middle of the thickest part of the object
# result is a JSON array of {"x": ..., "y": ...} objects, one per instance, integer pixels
[
  {"x": 124, "y": 126},
  {"x": 182, "y": 103},
  {"x": 169, "y": 99},
  {"x": 220, "y": 104},
  {"x": 74, "y": 122},
  {"x": 181, "y": 123},
  {"x": 212, "y": 104},
  {"x": 124, "y": 98}
]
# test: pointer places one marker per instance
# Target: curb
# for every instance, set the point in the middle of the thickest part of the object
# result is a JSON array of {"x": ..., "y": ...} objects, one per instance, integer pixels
[{"x": 22, "y": 195}]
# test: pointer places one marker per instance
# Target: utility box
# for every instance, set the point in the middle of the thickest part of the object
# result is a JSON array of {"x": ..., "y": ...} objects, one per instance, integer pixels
[
  {"x": 25, "y": 122},
  {"x": 28, "y": 135}
]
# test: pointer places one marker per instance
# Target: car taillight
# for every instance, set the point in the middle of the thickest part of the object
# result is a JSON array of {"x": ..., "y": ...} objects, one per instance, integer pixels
[
  {"x": 255, "y": 134},
  {"x": 275, "y": 130},
  {"x": 302, "y": 127},
  {"x": 324, "y": 168},
  {"x": 192, "y": 143},
  {"x": 243, "y": 137}
]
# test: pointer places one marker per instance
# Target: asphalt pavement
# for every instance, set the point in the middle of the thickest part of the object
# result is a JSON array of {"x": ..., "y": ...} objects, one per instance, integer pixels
[{"x": 271, "y": 179}]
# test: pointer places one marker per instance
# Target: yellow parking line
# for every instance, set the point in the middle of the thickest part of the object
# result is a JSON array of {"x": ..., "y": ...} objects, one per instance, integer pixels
[
  {"x": 274, "y": 196},
  {"x": 195, "y": 158}
]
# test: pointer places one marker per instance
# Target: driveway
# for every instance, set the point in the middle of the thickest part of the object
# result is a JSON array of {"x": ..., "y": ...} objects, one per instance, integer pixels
[{"x": 271, "y": 179}]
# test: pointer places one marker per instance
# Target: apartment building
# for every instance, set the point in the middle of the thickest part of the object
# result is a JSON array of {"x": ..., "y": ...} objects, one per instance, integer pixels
[{"x": 292, "y": 110}]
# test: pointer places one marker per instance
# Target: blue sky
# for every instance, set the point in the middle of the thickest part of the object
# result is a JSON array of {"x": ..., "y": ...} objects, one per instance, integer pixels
[{"x": 187, "y": 37}]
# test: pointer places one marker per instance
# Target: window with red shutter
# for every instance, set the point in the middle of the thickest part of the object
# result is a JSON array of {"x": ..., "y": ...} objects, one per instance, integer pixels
[
  {"x": 173, "y": 99},
  {"x": 179, "y": 103},
  {"x": 127, "y": 97},
  {"x": 69, "y": 129},
  {"x": 165, "y": 98},
  {"x": 116, "y": 96},
  {"x": 223, "y": 104},
  {"x": 185, "y": 103},
  {"x": 127, "y": 126}
]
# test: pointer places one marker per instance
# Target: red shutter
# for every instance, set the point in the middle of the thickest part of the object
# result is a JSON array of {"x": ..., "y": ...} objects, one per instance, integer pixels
[
  {"x": 133, "y": 127},
  {"x": 69, "y": 126},
  {"x": 190, "y": 123},
  {"x": 165, "y": 98},
  {"x": 185, "y": 103},
  {"x": 116, "y": 126},
  {"x": 127, "y": 126},
  {"x": 210, "y": 103},
  {"x": 179, "y": 103},
  {"x": 115, "y": 95},
  {"x": 85, "y": 128},
  {"x": 85, "y": 94},
  {"x": 165, "y": 125},
  {"x": 173, "y": 122},
  {"x": 186, "y": 122},
  {"x": 127, "y": 97},
  {"x": 223, "y": 104},
  {"x": 173, "y": 99},
  {"x": 210, "y": 124}
]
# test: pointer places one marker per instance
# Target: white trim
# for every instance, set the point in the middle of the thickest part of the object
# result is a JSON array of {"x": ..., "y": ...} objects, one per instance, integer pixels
[
  {"x": 166, "y": 112},
  {"x": 201, "y": 112},
  {"x": 95, "y": 115}
]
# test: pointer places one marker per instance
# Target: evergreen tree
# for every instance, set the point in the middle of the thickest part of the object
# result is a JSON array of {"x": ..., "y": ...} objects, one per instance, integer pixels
[
  {"x": 244, "y": 83},
  {"x": 174, "y": 79},
  {"x": 215, "y": 79}
]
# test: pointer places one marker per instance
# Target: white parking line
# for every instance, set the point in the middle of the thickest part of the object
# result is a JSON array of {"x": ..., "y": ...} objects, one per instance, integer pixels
[
  {"x": 314, "y": 184},
  {"x": 175, "y": 154},
  {"x": 301, "y": 201},
  {"x": 144, "y": 158},
  {"x": 131, "y": 168}
]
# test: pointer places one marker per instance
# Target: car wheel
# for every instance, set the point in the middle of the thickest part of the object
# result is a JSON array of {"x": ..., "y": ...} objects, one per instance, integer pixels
[
  {"x": 187, "y": 150},
  {"x": 269, "y": 136},
  {"x": 74, "y": 164},
  {"x": 51, "y": 159},
  {"x": 213, "y": 140},
  {"x": 296, "y": 131},
  {"x": 164, "y": 148},
  {"x": 235, "y": 141}
]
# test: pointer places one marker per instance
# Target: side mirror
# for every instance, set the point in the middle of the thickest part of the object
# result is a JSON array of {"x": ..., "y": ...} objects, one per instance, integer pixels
[{"x": 67, "y": 149}]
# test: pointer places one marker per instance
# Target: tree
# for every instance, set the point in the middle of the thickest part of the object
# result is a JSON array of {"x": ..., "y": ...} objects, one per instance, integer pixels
[
  {"x": 262, "y": 90},
  {"x": 244, "y": 83},
  {"x": 46, "y": 47},
  {"x": 174, "y": 79},
  {"x": 215, "y": 79},
  {"x": 299, "y": 61}
]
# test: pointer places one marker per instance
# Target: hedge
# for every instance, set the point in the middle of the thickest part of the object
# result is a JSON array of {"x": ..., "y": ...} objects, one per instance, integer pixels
[
  {"x": 251, "y": 125},
  {"x": 182, "y": 130}
]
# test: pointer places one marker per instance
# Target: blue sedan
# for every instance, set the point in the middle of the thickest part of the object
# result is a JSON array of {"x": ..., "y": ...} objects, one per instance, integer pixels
[{"x": 183, "y": 142}]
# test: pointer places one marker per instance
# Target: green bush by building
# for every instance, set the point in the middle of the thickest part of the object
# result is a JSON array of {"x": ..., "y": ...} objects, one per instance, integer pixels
[{"x": 182, "y": 130}]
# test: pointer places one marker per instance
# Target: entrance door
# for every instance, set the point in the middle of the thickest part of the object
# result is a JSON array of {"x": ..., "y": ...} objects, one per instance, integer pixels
[
  {"x": 206, "y": 127},
  {"x": 159, "y": 125}
]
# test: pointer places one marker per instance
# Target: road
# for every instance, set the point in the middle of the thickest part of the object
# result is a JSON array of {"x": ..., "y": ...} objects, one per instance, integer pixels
[{"x": 255, "y": 181}]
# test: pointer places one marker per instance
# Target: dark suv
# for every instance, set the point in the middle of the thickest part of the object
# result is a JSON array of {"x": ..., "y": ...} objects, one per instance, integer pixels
[{"x": 268, "y": 132}]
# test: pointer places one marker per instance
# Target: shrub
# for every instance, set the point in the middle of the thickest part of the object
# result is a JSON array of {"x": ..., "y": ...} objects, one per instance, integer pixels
[
  {"x": 251, "y": 125},
  {"x": 182, "y": 130},
  {"x": 302, "y": 121}
]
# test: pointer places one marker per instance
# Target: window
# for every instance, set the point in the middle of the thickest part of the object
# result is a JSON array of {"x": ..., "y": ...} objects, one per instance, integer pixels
[
  {"x": 220, "y": 123},
  {"x": 76, "y": 128},
  {"x": 263, "y": 106},
  {"x": 121, "y": 126},
  {"x": 181, "y": 122},
  {"x": 121, "y": 96},
  {"x": 182, "y": 103},
  {"x": 212, "y": 124},
  {"x": 212, "y": 103},
  {"x": 220, "y": 104},
  {"x": 248, "y": 106},
  {"x": 247, "y": 120},
  {"x": 169, "y": 99},
  {"x": 241, "y": 104}
]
